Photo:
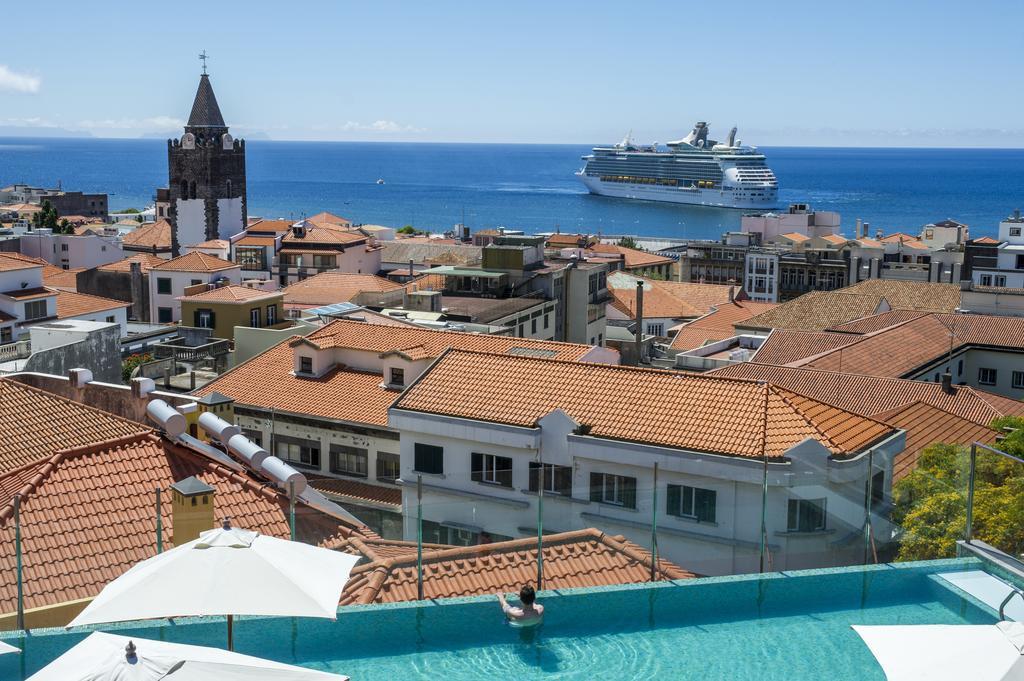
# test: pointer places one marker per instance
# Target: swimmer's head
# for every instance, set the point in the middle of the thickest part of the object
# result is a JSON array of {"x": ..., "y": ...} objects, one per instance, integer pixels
[{"x": 527, "y": 595}]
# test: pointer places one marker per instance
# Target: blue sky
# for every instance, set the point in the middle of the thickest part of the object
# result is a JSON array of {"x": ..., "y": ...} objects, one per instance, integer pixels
[{"x": 822, "y": 73}]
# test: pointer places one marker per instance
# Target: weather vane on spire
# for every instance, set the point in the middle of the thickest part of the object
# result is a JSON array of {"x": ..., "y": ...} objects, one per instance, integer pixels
[{"x": 203, "y": 58}]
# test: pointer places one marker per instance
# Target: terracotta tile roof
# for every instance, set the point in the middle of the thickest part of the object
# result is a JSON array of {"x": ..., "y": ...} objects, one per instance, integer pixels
[
  {"x": 717, "y": 325},
  {"x": 276, "y": 226},
  {"x": 335, "y": 287},
  {"x": 33, "y": 293},
  {"x": 987, "y": 240},
  {"x": 326, "y": 218},
  {"x": 796, "y": 236},
  {"x": 836, "y": 239},
  {"x": 897, "y": 237},
  {"x": 423, "y": 343},
  {"x": 67, "y": 280},
  {"x": 672, "y": 409},
  {"x": 632, "y": 257},
  {"x": 868, "y": 242},
  {"x": 256, "y": 241},
  {"x": 668, "y": 299},
  {"x": 267, "y": 381},
  {"x": 357, "y": 491},
  {"x": 232, "y": 294},
  {"x": 10, "y": 262},
  {"x": 156, "y": 234},
  {"x": 911, "y": 295},
  {"x": 71, "y": 304},
  {"x": 783, "y": 347},
  {"x": 35, "y": 424},
  {"x": 374, "y": 548},
  {"x": 87, "y": 515},
  {"x": 877, "y": 322},
  {"x": 212, "y": 243},
  {"x": 21, "y": 207},
  {"x": 904, "y": 349},
  {"x": 324, "y": 234},
  {"x": 816, "y": 311},
  {"x": 401, "y": 252},
  {"x": 147, "y": 261},
  {"x": 926, "y": 424},
  {"x": 570, "y": 240},
  {"x": 873, "y": 395},
  {"x": 195, "y": 261},
  {"x": 572, "y": 559}
]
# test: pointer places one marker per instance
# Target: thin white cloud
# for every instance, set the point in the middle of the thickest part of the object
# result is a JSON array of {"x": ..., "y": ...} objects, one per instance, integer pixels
[
  {"x": 383, "y": 126},
  {"x": 31, "y": 122},
  {"x": 17, "y": 82}
]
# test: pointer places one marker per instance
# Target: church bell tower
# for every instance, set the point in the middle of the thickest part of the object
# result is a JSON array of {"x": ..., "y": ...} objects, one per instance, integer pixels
[{"x": 206, "y": 170}]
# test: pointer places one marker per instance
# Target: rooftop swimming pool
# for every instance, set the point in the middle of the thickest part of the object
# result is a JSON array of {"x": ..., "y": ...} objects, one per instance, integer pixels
[{"x": 778, "y": 626}]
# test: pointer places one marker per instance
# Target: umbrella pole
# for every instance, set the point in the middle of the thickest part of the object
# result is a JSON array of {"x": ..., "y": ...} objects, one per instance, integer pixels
[{"x": 231, "y": 633}]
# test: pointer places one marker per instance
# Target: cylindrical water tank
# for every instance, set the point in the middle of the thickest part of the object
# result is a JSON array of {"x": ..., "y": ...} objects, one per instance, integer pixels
[
  {"x": 218, "y": 428},
  {"x": 248, "y": 450},
  {"x": 167, "y": 417},
  {"x": 283, "y": 474}
]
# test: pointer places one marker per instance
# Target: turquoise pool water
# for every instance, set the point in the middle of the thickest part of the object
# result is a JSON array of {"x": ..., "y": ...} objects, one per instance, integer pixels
[{"x": 788, "y": 626}]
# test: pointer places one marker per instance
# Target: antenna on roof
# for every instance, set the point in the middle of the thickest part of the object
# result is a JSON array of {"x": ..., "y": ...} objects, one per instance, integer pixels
[{"x": 203, "y": 58}]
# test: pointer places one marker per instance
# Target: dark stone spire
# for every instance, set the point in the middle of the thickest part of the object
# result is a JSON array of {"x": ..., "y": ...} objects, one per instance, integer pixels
[{"x": 205, "y": 112}]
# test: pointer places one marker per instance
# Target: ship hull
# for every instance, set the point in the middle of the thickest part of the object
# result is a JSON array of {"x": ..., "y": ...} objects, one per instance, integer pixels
[{"x": 712, "y": 198}]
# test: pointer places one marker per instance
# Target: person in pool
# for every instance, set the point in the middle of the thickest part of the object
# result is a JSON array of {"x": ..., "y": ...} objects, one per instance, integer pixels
[{"x": 529, "y": 614}]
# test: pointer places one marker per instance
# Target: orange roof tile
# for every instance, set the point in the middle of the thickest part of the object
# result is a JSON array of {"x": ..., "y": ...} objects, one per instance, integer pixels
[
  {"x": 34, "y": 424},
  {"x": 717, "y": 325},
  {"x": 71, "y": 304},
  {"x": 256, "y": 241},
  {"x": 10, "y": 262},
  {"x": 897, "y": 237},
  {"x": 67, "y": 280},
  {"x": 211, "y": 244},
  {"x": 836, "y": 239},
  {"x": 873, "y": 395},
  {"x": 665, "y": 408},
  {"x": 357, "y": 491},
  {"x": 324, "y": 234},
  {"x": 566, "y": 240},
  {"x": 327, "y": 288},
  {"x": 926, "y": 425},
  {"x": 868, "y": 242},
  {"x": 196, "y": 261},
  {"x": 147, "y": 261},
  {"x": 583, "y": 558},
  {"x": 911, "y": 295},
  {"x": 104, "y": 493},
  {"x": 325, "y": 218},
  {"x": 877, "y": 322},
  {"x": 156, "y": 234},
  {"x": 380, "y": 338},
  {"x": 987, "y": 240},
  {"x": 668, "y": 299},
  {"x": 632, "y": 258},
  {"x": 796, "y": 236},
  {"x": 267, "y": 381},
  {"x": 231, "y": 294},
  {"x": 276, "y": 226},
  {"x": 904, "y": 349},
  {"x": 783, "y": 347},
  {"x": 816, "y": 311}
]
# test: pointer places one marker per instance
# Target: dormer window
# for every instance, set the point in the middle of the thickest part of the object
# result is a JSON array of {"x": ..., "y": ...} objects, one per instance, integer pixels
[
  {"x": 306, "y": 364},
  {"x": 397, "y": 377}
]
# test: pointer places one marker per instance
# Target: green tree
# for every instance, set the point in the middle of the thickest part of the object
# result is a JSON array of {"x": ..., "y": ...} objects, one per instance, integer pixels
[
  {"x": 931, "y": 501},
  {"x": 627, "y": 242},
  {"x": 47, "y": 217},
  {"x": 130, "y": 362},
  {"x": 408, "y": 229}
]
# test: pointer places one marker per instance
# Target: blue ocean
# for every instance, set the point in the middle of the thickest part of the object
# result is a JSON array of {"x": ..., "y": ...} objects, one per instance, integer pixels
[{"x": 532, "y": 187}]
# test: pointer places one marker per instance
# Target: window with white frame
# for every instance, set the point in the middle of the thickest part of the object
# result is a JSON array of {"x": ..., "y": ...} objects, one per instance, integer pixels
[
  {"x": 557, "y": 479},
  {"x": 1018, "y": 380},
  {"x": 349, "y": 460},
  {"x": 304, "y": 453},
  {"x": 692, "y": 502},
  {"x": 491, "y": 468},
  {"x": 806, "y": 515},
  {"x": 987, "y": 376},
  {"x": 618, "y": 490}
]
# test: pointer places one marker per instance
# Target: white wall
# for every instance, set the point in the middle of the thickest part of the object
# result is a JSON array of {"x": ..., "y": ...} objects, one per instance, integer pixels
[
  {"x": 191, "y": 221},
  {"x": 729, "y": 545},
  {"x": 229, "y": 218},
  {"x": 179, "y": 281}
]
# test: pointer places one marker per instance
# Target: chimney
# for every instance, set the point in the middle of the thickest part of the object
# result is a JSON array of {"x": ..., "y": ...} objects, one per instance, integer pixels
[
  {"x": 732, "y": 294},
  {"x": 191, "y": 509},
  {"x": 947, "y": 383},
  {"x": 639, "y": 320},
  {"x": 858, "y": 230},
  {"x": 412, "y": 272}
]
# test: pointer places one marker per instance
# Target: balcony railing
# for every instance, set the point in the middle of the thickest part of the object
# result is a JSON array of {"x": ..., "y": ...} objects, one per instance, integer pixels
[{"x": 14, "y": 351}]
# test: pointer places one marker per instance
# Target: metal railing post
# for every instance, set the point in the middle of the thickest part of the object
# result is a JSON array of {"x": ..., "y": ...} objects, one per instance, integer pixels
[
  {"x": 654, "y": 526},
  {"x": 159, "y": 521},
  {"x": 419, "y": 537},
  {"x": 17, "y": 563},
  {"x": 869, "y": 492},
  {"x": 970, "y": 494},
  {"x": 764, "y": 512},
  {"x": 540, "y": 527},
  {"x": 291, "y": 510}
]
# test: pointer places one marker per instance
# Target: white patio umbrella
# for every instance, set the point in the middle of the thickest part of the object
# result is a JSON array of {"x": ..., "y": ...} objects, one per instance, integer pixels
[
  {"x": 106, "y": 657},
  {"x": 5, "y": 648},
  {"x": 938, "y": 652},
  {"x": 227, "y": 571}
]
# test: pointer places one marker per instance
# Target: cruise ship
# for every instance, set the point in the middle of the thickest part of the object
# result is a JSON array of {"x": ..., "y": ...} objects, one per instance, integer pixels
[{"x": 694, "y": 170}]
